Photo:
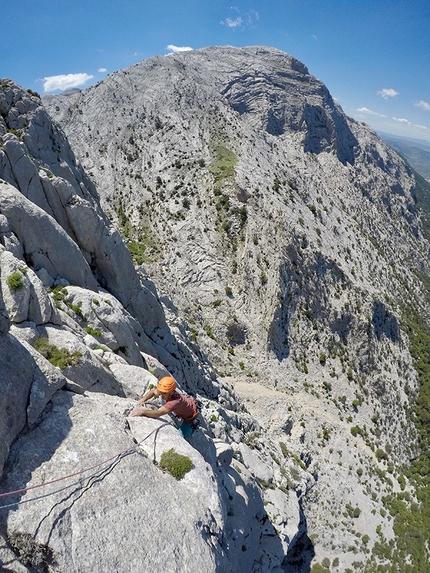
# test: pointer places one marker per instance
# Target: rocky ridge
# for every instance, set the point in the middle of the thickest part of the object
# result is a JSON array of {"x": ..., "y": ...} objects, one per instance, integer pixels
[{"x": 256, "y": 208}]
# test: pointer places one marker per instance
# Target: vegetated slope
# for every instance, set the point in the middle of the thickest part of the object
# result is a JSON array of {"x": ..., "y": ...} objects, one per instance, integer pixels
[
  {"x": 289, "y": 239},
  {"x": 417, "y": 154}
]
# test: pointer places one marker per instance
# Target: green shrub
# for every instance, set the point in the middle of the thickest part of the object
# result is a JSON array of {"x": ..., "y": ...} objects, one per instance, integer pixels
[
  {"x": 380, "y": 455},
  {"x": 356, "y": 430},
  {"x": 402, "y": 482},
  {"x": 76, "y": 309},
  {"x": 14, "y": 281},
  {"x": 30, "y": 552},
  {"x": 93, "y": 331},
  {"x": 59, "y": 357},
  {"x": 174, "y": 463},
  {"x": 35, "y": 94},
  {"x": 317, "y": 568}
]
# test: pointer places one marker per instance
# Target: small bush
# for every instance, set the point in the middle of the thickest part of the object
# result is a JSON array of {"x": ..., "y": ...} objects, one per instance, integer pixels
[
  {"x": 76, "y": 309},
  {"x": 35, "y": 94},
  {"x": 93, "y": 331},
  {"x": 29, "y": 551},
  {"x": 174, "y": 463},
  {"x": 402, "y": 482},
  {"x": 14, "y": 281},
  {"x": 59, "y": 357},
  {"x": 356, "y": 430},
  {"x": 380, "y": 455}
]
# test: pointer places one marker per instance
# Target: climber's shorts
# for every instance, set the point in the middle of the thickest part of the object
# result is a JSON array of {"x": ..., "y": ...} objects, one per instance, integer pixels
[{"x": 186, "y": 429}]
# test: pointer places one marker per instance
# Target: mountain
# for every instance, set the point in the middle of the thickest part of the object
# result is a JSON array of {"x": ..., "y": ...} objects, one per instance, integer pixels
[
  {"x": 280, "y": 274},
  {"x": 416, "y": 151}
]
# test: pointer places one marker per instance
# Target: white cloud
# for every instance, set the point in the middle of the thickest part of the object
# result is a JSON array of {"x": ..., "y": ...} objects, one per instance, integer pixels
[
  {"x": 370, "y": 112},
  {"x": 253, "y": 15},
  {"x": 64, "y": 81},
  {"x": 233, "y": 23},
  {"x": 423, "y": 104},
  {"x": 102, "y": 70},
  {"x": 402, "y": 120},
  {"x": 248, "y": 20},
  {"x": 176, "y": 49},
  {"x": 387, "y": 92}
]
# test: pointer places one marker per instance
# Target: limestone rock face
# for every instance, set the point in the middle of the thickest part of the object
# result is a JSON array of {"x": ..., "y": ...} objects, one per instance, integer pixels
[
  {"x": 277, "y": 247},
  {"x": 82, "y": 337},
  {"x": 82, "y": 519}
]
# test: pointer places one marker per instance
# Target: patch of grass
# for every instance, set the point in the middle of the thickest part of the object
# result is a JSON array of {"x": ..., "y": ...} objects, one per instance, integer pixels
[
  {"x": 223, "y": 165},
  {"x": 60, "y": 357},
  {"x": 59, "y": 294},
  {"x": 174, "y": 463},
  {"x": 93, "y": 331},
  {"x": 15, "y": 132},
  {"x": 14, "y": 281},
  {"x": 139, "y": 251},
  {"x": 76, "y": 309}
]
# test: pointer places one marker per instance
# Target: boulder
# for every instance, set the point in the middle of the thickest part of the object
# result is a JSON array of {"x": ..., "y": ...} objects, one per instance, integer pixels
[
  {"x": 17, "y": 371},
  {"x": 87, "y": 371},
  {"x": 46, "y": 244},
  {"x": 135, "y": 381}
]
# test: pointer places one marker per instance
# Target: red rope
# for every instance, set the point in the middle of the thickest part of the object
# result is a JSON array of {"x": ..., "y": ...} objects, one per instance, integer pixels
[{"x": 24, "y": 489}]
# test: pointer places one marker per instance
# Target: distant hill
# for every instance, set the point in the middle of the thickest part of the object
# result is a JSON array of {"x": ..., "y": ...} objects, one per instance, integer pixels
[{"x": 416, "y": 151}]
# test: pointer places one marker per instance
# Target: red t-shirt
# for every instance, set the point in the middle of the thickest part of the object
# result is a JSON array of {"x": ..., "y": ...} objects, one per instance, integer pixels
[{"x": 182, "y": 406}]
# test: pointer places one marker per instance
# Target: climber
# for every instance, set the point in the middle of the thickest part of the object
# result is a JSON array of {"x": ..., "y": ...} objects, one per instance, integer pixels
[{"x": 182, "y": 406}]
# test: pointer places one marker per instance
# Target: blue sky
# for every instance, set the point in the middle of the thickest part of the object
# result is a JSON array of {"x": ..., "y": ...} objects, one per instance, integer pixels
[{"x": 373, "y": 55}]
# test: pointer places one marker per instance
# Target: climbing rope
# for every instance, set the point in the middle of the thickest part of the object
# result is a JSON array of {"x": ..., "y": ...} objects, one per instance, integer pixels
[{"x": 106, "y": 462}]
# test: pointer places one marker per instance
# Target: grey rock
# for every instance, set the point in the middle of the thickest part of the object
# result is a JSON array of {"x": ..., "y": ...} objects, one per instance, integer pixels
[
  {"x": 224, "y": 453},
  {"x": 135, "y": 381},
  {"x": 123, "y": 502},
  {"x": 17, "y": 369},
  {"x": 46, "y": 244}
]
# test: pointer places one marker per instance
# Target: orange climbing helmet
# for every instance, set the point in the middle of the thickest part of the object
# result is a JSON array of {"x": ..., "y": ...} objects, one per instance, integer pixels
[{"x": 166, "y": 385}]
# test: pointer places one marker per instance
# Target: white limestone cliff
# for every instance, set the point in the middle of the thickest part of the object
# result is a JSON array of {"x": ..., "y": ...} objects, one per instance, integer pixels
[{"x": 275, "y": 241}]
